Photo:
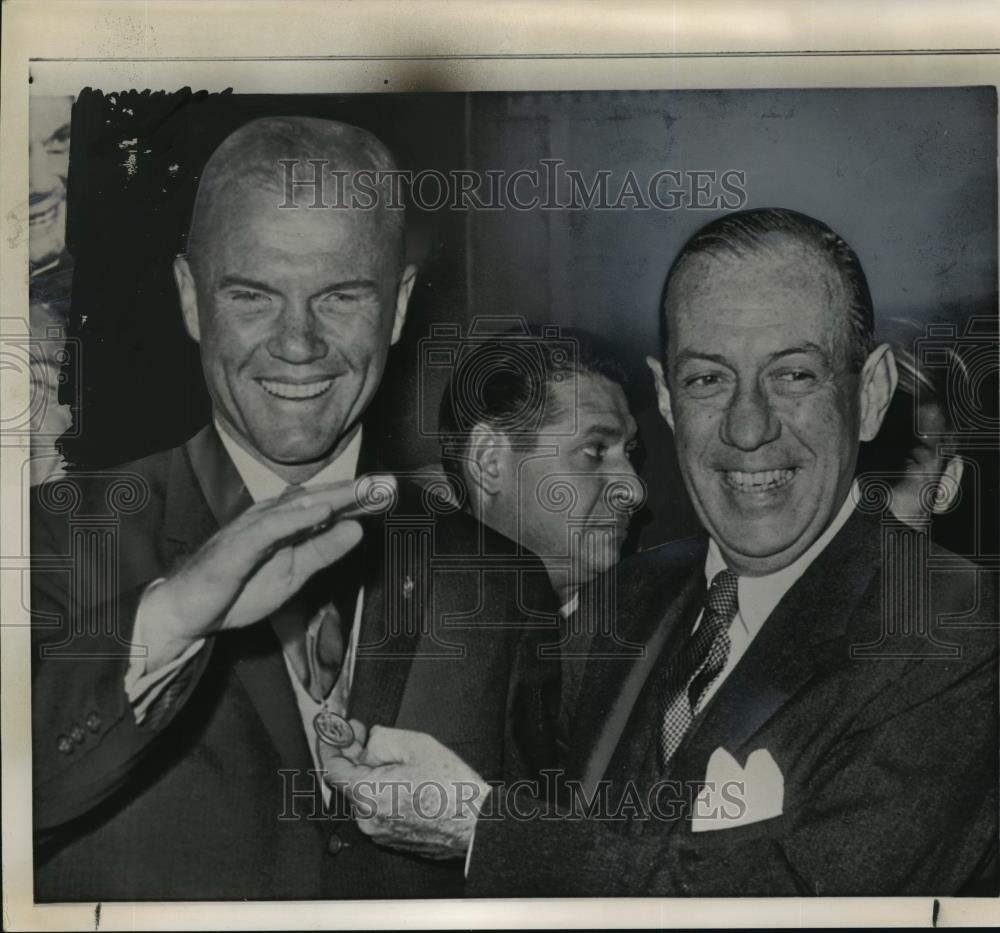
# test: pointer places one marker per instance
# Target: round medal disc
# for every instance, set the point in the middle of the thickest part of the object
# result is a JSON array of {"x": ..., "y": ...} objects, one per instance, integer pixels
[{"x": 333, "y": 729}]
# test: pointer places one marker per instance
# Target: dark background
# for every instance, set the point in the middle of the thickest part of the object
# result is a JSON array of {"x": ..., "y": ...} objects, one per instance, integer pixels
[{"x": 907, "y": 176}]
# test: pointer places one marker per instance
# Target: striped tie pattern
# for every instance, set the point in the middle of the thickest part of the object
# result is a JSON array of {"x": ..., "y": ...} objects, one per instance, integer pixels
[{"x": 691, "y": 672}]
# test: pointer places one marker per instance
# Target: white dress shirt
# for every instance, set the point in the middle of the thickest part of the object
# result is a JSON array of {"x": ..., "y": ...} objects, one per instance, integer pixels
[
  {"x": 143, "y": 687},
  {"x": 758, "y": 596}
]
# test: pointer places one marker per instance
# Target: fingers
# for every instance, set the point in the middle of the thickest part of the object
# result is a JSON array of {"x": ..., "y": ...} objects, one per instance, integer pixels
[
  {"x": 326, "y": 548},
  {"x": 256, "y": 533},
  {"x": 341, "y": 770},
  {"x": 307, "y": 513},
  {"x": 352, "y": 752},
  {"x": 360, "y": 732},
  {"x": 327, "y": 753},
  {"x": 369, "y": 494},
  {"x": 388, "y": 746}
]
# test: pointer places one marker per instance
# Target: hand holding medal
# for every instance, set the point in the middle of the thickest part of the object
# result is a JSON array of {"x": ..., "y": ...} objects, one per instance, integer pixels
[{"x": 337, "y": 737}]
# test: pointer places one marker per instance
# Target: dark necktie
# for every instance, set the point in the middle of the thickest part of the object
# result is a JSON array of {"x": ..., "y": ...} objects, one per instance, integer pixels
[{"x": 693, "y": 669}]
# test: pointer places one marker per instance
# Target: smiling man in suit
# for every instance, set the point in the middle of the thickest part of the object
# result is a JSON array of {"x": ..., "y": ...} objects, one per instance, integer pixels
[
  {"x": 250, "y": 593},
  {"x": 811, "y": 714}
]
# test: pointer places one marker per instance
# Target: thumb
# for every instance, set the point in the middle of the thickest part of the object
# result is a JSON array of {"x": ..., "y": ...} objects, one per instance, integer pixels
[{"x": 341, "y": 771}]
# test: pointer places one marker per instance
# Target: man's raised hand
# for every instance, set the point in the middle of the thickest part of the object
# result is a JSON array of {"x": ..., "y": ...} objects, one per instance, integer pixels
[{"x": 259, "y": 561}]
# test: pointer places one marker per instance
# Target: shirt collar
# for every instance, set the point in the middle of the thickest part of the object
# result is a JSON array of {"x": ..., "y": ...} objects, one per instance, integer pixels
[
  {"x": 570, "y": 606},
  {"x": 263, "y": 483},
  {"x": 759, "y": 595}
]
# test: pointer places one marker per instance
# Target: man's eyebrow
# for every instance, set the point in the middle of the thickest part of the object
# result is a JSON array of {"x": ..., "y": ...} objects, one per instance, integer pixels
[
  {"x": 60, "y": 134},
  {"x": 610, "y": 431},
  {"x": 684, "y": 356},
  {"x": 355, "y": 285},
  {"x": 238, "y": 281},
  {"x": 807, "y": 347}
]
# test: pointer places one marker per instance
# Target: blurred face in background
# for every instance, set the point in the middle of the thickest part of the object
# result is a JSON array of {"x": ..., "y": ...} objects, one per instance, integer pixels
[
  {"x": 48, "y": 165},
  {"x": 930, "y": 480}
]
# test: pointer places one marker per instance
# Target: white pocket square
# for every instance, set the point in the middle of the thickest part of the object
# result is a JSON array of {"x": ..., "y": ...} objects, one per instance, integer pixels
[{"x": 735, "y": 796}]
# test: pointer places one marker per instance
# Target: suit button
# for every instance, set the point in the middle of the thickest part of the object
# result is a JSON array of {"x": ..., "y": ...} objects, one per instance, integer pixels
[
  {"x": 77, "y": 734},
  {"x": 334, "y": 844},
  {"x": 65, "y": 744},
  {"x": 93, "y": 722}
]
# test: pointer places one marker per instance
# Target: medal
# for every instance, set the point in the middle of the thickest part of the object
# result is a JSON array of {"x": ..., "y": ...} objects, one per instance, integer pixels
[{"x": 333, "y": 729}]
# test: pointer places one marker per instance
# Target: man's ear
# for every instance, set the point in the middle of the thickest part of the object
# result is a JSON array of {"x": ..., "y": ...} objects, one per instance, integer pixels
[
  {"x": 662, "y": 392},
  {"x": 948, "y": 485},
  {"x": 406, "y": 284},
  {"x": 878, "y": 382},
  {"x": 485, "y": 458},
  {"x": 188, "y": 294}
]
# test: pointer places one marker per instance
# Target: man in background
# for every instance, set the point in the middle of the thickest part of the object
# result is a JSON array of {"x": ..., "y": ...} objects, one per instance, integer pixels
[
  {"x": 538, "y": 442},
  {"x": 50, "y": 278},
  {"x": 917, "y": 445}
]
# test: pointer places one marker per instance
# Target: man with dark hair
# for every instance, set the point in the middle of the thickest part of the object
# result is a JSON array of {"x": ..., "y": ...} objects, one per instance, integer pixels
[
  {"x": 537, "y": 440},
  {"x": 792, "y": 727},
  {"x": 229, "y": 602}
]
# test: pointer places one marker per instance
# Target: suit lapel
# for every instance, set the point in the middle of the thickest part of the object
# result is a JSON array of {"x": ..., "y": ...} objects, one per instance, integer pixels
[
  {"x": 805, "y": 634},
  {"x": 397, "y": 608},
  {"x": 204, "y": 493},
  {"x": 651, "y": 615}
]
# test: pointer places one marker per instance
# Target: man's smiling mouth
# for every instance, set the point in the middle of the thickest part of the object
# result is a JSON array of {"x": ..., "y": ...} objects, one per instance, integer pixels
[
  {"x": 46, "y": 216},
  {"x": 761, "y": 481},
  {"x": 295, "y": 391}
]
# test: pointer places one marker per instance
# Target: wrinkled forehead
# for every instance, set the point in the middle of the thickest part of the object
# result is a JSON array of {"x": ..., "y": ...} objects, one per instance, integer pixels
[
  {"x": 245, "y": 214},
  {"x": 784, "y": 284}
]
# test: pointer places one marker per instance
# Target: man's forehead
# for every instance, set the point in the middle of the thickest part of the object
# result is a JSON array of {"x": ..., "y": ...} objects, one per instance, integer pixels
[
  {"x": 789, "y": 285},
  {"x": 588, "y": 398},
  {"x": 48, "y": 114},
  {"x": 242, "y": 213}
]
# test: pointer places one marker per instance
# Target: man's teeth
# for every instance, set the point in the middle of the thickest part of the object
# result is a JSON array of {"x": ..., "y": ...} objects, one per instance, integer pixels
[
  {"x": 295, "y": 390},
  {"x": 758, "y": 482}
]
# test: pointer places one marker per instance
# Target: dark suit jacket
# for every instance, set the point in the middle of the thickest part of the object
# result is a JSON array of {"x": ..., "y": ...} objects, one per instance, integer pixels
[
  {"x": 212, "y": 796},
  {"x": 887, "y": 744}
]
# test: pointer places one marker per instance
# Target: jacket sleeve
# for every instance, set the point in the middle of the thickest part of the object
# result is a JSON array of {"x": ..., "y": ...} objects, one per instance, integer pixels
[{"x": 86, "y": 741}]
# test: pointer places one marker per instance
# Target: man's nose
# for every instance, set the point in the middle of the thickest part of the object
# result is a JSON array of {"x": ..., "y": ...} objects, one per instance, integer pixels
[
  {"x": 749, "y": 421},
  {"x": 297, "y": 338},
  {"x": 624, "y": 491}
]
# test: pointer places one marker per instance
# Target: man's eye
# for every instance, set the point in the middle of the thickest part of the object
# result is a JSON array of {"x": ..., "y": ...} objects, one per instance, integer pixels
[
  {"x": 247, "y": 297},
  {"x": 796, "y": 378},
  {"x": 594, "y": 451},
  {"x": 338, "y": 299},
  {"x": 705, "y": 380},
  {"x": 704, "y": 384},
  {"x": 58, "y": 143}
]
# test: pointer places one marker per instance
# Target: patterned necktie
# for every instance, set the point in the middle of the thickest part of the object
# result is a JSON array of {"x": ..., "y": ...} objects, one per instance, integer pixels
[{"x": 693, "y": 669}]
